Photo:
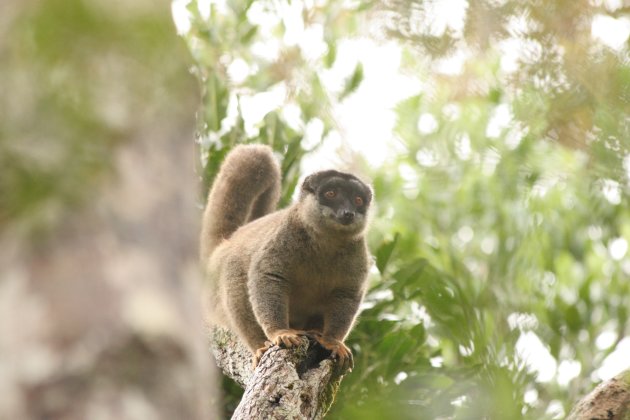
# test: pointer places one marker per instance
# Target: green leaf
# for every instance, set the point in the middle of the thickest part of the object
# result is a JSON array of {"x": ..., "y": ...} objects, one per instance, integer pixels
[
  {"x": 249, "y": 35},
  {"x": 216, "y": 98},
  {"x": 384, "y": 253},
  {"x": 573, "y": 318},
  {"x": 331, "y": 54},
  {"x": 353, "y": 82}
]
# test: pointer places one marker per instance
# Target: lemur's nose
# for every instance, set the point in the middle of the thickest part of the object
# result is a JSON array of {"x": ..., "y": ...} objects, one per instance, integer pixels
[{"x": 348, "y": 215}]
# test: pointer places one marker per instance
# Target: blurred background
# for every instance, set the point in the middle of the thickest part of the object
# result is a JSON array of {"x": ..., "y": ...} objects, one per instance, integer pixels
[
  {"x": 99, "y": 310},
  {"x": 495, "y": 133}
]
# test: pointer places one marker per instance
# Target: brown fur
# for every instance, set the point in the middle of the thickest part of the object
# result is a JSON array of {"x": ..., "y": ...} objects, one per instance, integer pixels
[{"x": 274, "y": 277}]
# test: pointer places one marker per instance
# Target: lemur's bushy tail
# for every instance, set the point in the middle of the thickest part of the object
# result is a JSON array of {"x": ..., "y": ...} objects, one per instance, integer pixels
[{"x": 246, "y": 188}]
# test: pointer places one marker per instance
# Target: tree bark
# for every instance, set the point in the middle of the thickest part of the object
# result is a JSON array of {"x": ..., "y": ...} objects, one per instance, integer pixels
[
  {"x": 297, "y": 383},
  {"x": 609, "y": 400},
  {"x": 99, "y": 282}
]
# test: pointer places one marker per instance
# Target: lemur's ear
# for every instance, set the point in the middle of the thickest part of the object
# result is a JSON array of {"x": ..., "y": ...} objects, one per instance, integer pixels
[
  {"x": 312, "y": 181},
  {"x": 309, "y": 185}
]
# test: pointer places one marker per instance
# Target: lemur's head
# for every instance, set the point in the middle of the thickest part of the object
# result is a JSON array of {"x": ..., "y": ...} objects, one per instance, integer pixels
[{"x": 336, "y": 201}]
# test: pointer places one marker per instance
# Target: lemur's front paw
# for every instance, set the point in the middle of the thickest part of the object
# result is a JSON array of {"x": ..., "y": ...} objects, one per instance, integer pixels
[
  {"x": 287, "y": 338},
  {"x": 282, "y": 338},
  {"x": 338, "y": 350},
  {"x": 259, "y": 353}
]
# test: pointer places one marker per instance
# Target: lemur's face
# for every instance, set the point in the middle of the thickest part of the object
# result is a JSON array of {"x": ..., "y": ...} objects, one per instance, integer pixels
[{"x": 343, "y": 199}]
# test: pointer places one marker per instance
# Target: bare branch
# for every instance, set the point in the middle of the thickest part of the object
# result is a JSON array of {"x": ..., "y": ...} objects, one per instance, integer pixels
[
  {"x": 297, "y": 383},
  {"x": 609, "y": 400}
]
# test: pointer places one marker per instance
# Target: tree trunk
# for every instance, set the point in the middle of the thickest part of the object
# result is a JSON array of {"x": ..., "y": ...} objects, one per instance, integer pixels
[
  {"x": 99, "y": 284},
  {"x": 609, "y": 400},
  {"x": 298, "y": 383}
]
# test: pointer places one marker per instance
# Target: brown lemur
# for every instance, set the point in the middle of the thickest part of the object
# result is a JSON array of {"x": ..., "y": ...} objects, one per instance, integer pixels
[{"x": 277, "y": 275}]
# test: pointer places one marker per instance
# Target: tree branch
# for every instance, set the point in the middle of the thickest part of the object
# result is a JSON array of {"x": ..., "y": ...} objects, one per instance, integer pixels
[
  {"x": 297, "y": 383},
  {"x": 609, "y": 400}
]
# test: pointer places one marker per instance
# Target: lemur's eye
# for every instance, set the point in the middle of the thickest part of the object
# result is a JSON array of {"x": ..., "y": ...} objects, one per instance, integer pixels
[
  {"x": 358, "y": 201},
  {"x": 330, "y": 194}
]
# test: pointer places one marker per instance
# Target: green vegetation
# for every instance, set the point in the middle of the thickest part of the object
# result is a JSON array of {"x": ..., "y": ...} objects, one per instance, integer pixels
[{"x": 503, "y": 216}]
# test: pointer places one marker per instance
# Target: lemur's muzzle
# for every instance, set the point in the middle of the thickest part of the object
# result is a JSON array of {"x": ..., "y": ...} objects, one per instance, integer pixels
[{"x": 345, "y": 216}]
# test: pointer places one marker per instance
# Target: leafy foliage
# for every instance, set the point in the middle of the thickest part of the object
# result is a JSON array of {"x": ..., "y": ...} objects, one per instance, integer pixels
[
  {"x": 244, "y": 37},
  {"x": 503, "y": 218}
]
